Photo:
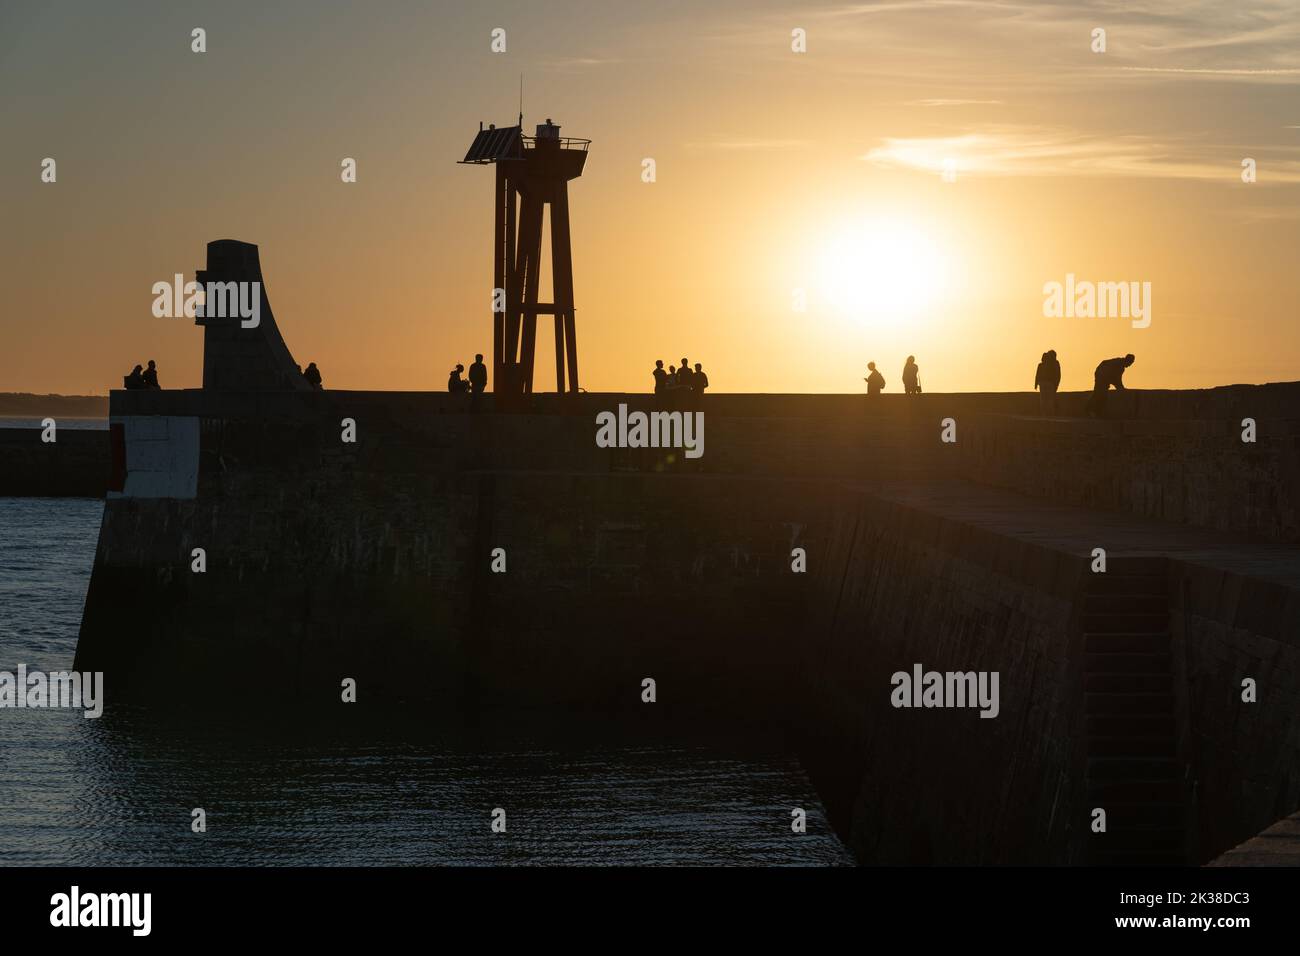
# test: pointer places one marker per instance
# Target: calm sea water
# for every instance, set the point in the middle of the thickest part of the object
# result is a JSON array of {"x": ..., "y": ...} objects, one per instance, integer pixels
[
  {"x": 93, "y": 424},
  {"x": 120, "y": 790}
]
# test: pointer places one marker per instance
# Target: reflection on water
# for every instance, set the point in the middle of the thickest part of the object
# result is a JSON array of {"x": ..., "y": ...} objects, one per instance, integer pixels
[{"x": 120, "y": 790}]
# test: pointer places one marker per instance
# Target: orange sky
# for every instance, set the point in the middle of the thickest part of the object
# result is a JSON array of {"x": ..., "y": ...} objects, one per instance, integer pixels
[{"x": 776, "y": 171}]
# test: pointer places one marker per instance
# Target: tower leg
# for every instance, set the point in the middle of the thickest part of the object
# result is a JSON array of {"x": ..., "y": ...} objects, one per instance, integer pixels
[
  {"x": 570, "y": 338},
  {"x": 562, "y": 272},
  {"x": 503, "y": 255},
  {"x": 529, "y": 260},
  {"x": 559, "y": 353}
]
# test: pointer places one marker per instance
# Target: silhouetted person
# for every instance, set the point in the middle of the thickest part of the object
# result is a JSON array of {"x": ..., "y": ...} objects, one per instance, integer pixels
[
  {"x": 134, "y": 381},
  {"x": 661, "y": 377},
  {"x": 478, "y": 375},
  {"x": 454, "y": 382},
  {"x": 1109, "y": 372},
  {"x": 150, "y": 376},
  {"x": 1047, "y": 378},
  {"x": 911, "y": 383},
  {"x": 682, "y": 394},
  {"x": 699, "y": 381},
  {"x": 312, "y": 375},
  {"x": 875, "y": 381},
  {"x": 672, "y": 377}
]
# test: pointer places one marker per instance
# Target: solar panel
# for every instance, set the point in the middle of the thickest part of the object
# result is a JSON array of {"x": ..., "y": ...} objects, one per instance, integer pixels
[{"x": 491, "y": 145}]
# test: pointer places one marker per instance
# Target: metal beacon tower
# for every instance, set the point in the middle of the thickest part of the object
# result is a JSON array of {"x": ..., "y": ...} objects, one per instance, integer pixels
[{"x": 532, "y": 172}]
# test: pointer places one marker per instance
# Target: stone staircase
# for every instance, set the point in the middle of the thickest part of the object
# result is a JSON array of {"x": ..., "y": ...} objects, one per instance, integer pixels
[{"x": 1133, "y": 769}]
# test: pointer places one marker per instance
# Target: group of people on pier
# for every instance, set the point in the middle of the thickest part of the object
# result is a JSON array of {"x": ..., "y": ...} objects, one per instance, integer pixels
[
  {"x": 911, "y": 378},
  {"x": 142, "y": 378},
  {"x": 1109, "y": 373},
  {"x": 1047, "y": 379},
  {"x": 477, "y": 381},
  {"x": 680, "y": 387}
]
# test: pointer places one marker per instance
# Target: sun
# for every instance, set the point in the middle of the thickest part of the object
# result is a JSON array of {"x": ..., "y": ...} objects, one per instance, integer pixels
[{"x": 882, "y": 270}]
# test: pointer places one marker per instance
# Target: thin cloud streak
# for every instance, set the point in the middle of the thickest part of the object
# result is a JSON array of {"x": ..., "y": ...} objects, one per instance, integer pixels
[{"x": 1065, "y": 153}]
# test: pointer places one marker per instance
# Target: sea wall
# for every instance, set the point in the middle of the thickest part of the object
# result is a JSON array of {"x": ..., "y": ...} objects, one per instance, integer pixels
[
  {"x": 325, "y": 559},
  {"x": 905, "y": 586},
  {"x": 75, "y": 465},
  {"x": 1231, "y": 626},
  {"x": 942, "y": 785},
  {"x": 377, "y": 559}
]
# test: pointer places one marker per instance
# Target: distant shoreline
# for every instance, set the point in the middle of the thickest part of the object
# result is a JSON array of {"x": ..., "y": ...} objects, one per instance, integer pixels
[{"x": 27, "y": 405}]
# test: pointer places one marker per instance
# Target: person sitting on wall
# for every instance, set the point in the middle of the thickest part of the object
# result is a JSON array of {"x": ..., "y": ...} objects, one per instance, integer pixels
[
  {"x": 455, "y": 384},
  {"x": 312, "y": 375},
  {"x": 150, "y": 376},
  {"x": 478, "y": 375},
  {"x": 875, "y": 381},
  {"x": 134, "y": 381}
]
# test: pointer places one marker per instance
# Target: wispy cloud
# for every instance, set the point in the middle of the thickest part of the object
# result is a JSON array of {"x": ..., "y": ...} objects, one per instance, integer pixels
[
  {"x": 578, "y": 64},
  {"x": 1211, "y": 72},
  {"x": 996, "y": 45},
  {"x": 765, "y": 145},
  {"x": 1063, "y": 152},
  {"x": 943, "y": 102}
]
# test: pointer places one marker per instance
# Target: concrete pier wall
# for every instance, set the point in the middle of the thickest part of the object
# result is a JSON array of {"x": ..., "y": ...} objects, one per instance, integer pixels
[
  {"x": 1187, "y": 471},
  {"x": 1231, "y": 625},
  {"x": 372, "y": 560},
  {"x": 908, "y": 785},
  {"x": 76, "y": 465}
]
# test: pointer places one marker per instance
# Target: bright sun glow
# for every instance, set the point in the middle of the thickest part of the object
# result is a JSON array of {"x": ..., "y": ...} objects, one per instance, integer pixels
[{"x": 882, "y": 270}]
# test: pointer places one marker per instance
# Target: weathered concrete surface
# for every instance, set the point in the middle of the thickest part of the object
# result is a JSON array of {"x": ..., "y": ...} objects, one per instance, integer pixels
[
  {"x": 1279, "y": 845},
  {"x": 901, "y": 586},
  {"x": 76, "y": 465},
  {"x": 959, "y": 577},
  {"x": 1195, "y": 471}
]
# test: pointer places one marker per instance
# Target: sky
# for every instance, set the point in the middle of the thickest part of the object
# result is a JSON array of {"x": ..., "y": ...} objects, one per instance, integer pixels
[{"x": 909, "y": 183}]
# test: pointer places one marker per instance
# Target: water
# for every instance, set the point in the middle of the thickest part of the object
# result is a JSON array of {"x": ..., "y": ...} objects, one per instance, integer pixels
[
  {"x": 88, "y": 424},
  {"x": 120, "y": 790}
]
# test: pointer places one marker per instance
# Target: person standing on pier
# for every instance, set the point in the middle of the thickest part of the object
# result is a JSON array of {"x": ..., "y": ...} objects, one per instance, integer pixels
[
  {"x": 150, "y": 377},
  {"x": 312, "y": 375},
  {"x": 875, "y": 381},
  {"x": 911, "y": 379},
  {"x": 1046, "y": 379},
  {"x": 478, "y": 375},
  {"x": 699, "y": 382},
  {"x": 684, "y": 374},
  {"x": 661, "y": 377}
]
